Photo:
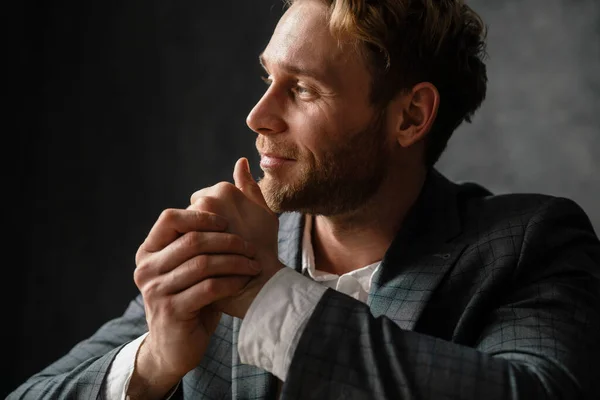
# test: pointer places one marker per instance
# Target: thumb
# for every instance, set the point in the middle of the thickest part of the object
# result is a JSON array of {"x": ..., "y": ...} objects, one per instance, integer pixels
[{"x": 245, "y": 182}]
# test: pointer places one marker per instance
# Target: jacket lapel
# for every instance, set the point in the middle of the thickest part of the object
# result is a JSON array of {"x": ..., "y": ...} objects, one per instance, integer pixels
[
  {"x": 250, "y": 382},
  {"x": 420, "y": 255}
]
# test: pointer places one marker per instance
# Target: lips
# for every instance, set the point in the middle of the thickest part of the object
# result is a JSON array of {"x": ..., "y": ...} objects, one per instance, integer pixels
[
  {"x": 270, "y": 161},
  {"x": 275, "y": 156}
]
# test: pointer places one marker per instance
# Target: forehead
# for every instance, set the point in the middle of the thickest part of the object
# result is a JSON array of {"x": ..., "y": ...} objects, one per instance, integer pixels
[{"x": 302, "y": 38}]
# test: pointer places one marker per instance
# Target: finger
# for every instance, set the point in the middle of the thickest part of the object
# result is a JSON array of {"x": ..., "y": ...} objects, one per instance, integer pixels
[
  {"x": 198, "y": 194},
  {"x": 245, "y": 182},
  {"x": 191, "y": 300},
  {"x": 207, "y": 266},
  {"x": 172, "y": 223},
  {"x": 207, "y": 202},
  {"x": 193, "y": 244},
  {"x": 207, "y": 199}
]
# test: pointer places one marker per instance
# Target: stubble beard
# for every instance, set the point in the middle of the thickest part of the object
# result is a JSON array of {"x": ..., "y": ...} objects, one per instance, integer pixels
[{"x": 341, "y": 182}]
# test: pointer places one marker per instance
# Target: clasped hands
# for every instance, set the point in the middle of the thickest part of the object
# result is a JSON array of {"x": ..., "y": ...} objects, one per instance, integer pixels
[{"x": 211, "y": 258}]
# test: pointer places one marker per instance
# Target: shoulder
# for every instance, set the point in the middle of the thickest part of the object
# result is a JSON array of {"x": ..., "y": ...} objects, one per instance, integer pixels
[
  {"x": 528, "y": 235},
  {"x": 480, "y": 210},
  {"x": 523, "y": 226}
]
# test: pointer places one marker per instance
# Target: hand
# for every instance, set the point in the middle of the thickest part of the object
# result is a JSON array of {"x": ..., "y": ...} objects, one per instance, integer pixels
[
  {"x": 248, "y": 216},
  {"x": 186, "y": 263}
]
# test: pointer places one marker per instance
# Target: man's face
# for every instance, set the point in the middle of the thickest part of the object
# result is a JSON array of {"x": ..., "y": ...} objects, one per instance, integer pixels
[{"x": 323, "y": 146}]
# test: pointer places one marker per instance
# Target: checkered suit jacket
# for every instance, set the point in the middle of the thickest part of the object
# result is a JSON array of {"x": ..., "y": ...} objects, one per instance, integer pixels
[{"x": 479, "y": 297}]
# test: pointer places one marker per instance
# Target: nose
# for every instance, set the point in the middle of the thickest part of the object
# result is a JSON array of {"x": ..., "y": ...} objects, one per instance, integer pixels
[{"x": 266, "y": 118}]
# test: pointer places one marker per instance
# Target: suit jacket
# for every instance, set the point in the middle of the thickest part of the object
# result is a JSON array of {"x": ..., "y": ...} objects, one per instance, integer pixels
[{"x": 478, "y": 297}]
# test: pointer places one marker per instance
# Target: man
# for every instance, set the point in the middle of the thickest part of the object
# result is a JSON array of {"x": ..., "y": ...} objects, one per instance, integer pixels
[{"x": 353, "y": 269}]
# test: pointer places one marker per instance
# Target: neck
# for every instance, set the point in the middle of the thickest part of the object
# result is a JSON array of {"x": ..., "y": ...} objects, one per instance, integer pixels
[{"x": 344, "y": 243}]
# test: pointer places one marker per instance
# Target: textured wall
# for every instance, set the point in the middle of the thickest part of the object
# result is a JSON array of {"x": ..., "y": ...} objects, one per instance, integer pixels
[
  {"x": 135, "y": 104},
  {"x": 539, "y": 128}
]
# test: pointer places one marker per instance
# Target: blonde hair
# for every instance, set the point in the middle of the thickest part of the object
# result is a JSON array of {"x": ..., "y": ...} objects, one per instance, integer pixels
[{"x": 412, "y": 41}]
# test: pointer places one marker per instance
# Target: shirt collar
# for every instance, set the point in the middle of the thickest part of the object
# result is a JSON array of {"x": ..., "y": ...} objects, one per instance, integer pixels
[{"x": 308, "y": 257}]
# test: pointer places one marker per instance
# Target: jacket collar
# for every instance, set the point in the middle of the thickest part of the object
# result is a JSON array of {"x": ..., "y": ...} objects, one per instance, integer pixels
[
  {"x": 433, "y": 218},
  {"x": 419, "y": 256}
]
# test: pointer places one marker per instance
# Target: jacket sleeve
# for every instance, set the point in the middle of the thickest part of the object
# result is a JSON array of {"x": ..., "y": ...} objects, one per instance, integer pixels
[
  {"x": 539, "y": 340},
  {"x": 81, "y": 372}
]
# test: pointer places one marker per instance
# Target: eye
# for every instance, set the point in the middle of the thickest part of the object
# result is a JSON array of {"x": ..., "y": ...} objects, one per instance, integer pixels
[
  {"x": 302, "y": 91},
  {"x": 297, "y": 90}
]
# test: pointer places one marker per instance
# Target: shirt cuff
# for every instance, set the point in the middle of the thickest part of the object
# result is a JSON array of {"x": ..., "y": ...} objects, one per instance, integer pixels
[
  {"x": 121, "y": 370},
  {"x": 274, "y": 323}
]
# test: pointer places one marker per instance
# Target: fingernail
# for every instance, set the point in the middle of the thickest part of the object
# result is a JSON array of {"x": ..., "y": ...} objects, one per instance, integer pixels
[{"x": 254, "y": 265}]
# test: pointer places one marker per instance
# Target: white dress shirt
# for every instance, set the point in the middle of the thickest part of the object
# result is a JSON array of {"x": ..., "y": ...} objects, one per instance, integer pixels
[{"x": 275, "y": 320}]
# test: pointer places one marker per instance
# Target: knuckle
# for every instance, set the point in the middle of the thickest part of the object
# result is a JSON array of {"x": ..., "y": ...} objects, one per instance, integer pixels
[
  {"x": 192, "y": 239},
  {"x": 168, "y": 215},
  {"x": 223, "y": 186},
  {"x": 205, "y": 203},
  {"x": 225, "y": 189},
  {"x": 195, "y": 196},
  {"x": 143, "y": 265},
  {"x": 211, "y": 287},
  {"x": 210, "y": 219},
  {"x": 138, "y": 277},
  {"x": 199, "y": 264},
  {"x": 151, "y": 289},
  {"x": 234, "y": 242},
  {"x": 141, "y": 272},
  {"x": 139, "y": 256}
]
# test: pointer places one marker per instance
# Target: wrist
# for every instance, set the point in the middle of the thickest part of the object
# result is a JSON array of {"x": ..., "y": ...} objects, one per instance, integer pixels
[{"x": 150, "y": 378}]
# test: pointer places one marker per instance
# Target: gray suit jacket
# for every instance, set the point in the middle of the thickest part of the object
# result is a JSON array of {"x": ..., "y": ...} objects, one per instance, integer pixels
[{"x": 479, "y": 297}]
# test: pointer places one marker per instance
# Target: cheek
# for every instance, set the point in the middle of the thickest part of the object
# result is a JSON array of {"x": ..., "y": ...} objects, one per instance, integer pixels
[
  {"x": 318, "y": 127},
  {"x": 314, "y": 133}
]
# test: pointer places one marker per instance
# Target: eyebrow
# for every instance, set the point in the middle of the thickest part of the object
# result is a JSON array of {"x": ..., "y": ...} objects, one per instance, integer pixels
[{"x": 296, "y": 70}]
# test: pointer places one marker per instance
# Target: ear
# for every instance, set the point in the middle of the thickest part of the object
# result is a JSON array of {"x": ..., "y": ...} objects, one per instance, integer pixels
[{"x": 413, "y": 113}]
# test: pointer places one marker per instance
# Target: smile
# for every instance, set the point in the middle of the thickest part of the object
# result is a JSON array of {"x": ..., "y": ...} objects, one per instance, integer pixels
[{"x": 269, "y": 161}]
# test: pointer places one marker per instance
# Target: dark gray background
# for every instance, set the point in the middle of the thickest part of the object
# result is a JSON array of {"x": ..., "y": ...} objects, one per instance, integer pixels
[{"x": 127, "y": 107}]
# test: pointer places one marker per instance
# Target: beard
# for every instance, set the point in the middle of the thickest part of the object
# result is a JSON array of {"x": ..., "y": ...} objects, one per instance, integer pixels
[{"x": 340, "y": 181}]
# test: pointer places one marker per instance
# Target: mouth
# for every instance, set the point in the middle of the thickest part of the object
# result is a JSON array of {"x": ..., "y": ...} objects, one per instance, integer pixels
[{"x": 272, "y": 161}]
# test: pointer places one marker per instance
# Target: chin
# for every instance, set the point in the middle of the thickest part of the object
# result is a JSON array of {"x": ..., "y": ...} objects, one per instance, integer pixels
[
  {"x": 269, "y": 187},
  {"x": 277, "y": 192}
]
